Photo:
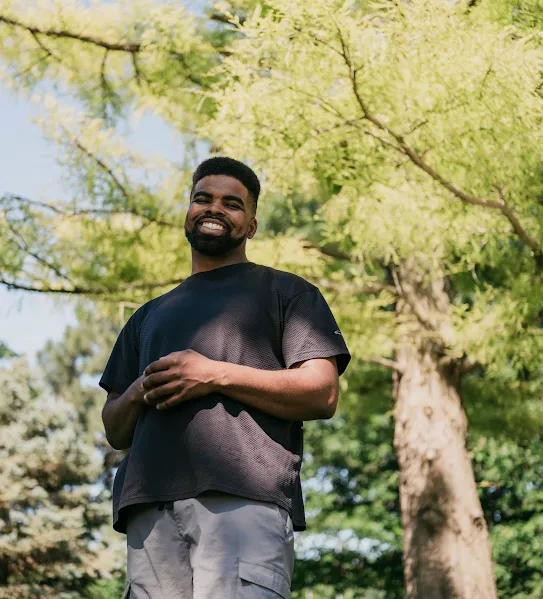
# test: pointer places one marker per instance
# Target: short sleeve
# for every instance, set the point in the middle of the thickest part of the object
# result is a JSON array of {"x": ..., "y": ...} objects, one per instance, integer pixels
[
  {"x": 122, "y": 368},
  {"x": 310, "y": 331}
]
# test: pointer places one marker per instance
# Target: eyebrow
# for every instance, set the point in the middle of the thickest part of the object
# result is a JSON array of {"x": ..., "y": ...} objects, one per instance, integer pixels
[{"x": 208, "y": 195}]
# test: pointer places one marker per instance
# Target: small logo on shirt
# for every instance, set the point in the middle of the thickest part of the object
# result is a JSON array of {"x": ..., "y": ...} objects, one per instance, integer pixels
[{"x": 338, "y": 332}]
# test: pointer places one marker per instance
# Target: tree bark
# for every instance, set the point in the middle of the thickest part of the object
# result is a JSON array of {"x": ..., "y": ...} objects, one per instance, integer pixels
[{"x": 446, "y": 550}]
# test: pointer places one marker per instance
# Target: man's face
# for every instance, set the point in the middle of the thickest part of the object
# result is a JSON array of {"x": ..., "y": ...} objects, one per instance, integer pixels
[{"x": 220, "y": 216}]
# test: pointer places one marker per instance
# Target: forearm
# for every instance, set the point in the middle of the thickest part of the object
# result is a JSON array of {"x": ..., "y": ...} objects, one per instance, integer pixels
[
  {"x": 120, "y": 415},
  {"x": 294, "y": 394}
]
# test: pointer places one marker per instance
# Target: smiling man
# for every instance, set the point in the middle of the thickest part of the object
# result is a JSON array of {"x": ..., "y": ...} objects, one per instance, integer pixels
[{"x": 208, "y": 387}]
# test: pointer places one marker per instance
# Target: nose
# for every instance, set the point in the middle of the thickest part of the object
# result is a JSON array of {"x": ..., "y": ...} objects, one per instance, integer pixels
[{"x": 215, "y": 208}]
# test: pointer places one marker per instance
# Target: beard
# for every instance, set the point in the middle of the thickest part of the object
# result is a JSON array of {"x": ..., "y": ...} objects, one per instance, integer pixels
[{"x": 211, "y": 245}]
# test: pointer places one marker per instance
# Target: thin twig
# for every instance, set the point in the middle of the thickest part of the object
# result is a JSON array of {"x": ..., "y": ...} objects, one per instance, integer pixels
[
  {"x": 101, "y": 164},
  {"x": 137, "y": 73},
  {"x": 127, "y": 47},
  {"x": 329, "y": 251},
  {"x": 23, "y": 246},
  {"x": 347, "y": 286},
  {"x": 391, "y": 364},
  {"x": 105, "y": 88},
  {"x": 90, "y": 211},
  {"x": 45, "y": 48},
  {"x": 78, "y": 290}
]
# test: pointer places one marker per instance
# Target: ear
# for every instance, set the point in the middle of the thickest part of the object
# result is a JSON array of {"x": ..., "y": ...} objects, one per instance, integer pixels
[{"x": 253, "y": 226}]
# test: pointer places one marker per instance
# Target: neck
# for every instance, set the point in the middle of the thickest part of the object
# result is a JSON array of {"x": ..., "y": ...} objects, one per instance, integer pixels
[{"x": 202, "y": 263}]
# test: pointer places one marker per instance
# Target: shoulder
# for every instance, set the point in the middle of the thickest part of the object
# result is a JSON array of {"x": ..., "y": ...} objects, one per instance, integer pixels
[
  {"x": 137, "y": 318},
  {"x": 288, "y": 284}
]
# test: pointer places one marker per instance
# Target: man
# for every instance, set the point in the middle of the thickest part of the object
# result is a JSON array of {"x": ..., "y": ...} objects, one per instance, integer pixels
[{"x": 208, "y": 385}]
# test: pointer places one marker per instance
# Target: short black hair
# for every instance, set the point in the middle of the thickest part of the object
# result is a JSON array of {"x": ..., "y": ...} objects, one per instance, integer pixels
[{"x": 222, "y": 165}]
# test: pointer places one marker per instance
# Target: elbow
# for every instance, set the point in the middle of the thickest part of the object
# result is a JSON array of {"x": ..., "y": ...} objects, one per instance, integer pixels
[
  {"x": 116, "y": 440},
  {"x": 329, "y": 405},
  {"x": 117, "y": 444},
  {"x": 113, "y": 442},
  {"x": 329, "y": 411}
]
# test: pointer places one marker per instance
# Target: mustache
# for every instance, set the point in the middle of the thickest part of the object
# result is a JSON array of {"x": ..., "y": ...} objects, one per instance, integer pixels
[{"x": 216, "y": 218}]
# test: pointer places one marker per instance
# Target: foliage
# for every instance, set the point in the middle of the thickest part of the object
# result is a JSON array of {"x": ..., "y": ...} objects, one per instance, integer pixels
[
  {"x": 509, "y": 476},
  {"x": 126, "y": 208},
  {"x": 6, "y": 352},
  {"x": 353, "y": 545},
  {"x": 384, "y": 132},
  {"x": 375, "y": 144},
  {"x": 422, "y": 144},
  {"x": 82, "y": 352},
  {"x": 51, "y": 512},
  {"x": 353, "y": 542},
  {"x": 106, "y": 589}
]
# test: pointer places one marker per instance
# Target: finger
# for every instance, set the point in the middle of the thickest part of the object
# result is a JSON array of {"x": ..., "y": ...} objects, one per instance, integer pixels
[
  {"x": 158, "y": 365},
  {"x": 158, "y": 394},
  {"x": 157, "y": 379},
  {"x": 170, "y": 402}
]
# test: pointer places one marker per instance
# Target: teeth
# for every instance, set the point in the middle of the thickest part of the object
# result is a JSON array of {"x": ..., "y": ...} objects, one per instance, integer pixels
[{"x": 214, "y": 226}]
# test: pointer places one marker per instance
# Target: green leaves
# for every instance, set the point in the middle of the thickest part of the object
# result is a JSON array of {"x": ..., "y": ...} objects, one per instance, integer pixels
[
  {"x": 385, "y": 132},
  {"x": 48, "y": 508},
  {"x": 509, "y": 477},
  {"x": 353, "y": 544}
]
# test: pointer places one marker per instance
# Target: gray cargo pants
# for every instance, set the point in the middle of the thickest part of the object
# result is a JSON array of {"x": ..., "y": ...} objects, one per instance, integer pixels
[{"x": 215, "y": 546}]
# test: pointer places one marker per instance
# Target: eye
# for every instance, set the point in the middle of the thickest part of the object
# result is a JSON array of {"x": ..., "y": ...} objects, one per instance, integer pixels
[
  {"x": 200, "y": 200},
  {"x": 235, "y": 206}
]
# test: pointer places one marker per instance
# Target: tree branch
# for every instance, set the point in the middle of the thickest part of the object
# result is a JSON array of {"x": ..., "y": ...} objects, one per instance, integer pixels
[
  {"x": 85, "y": 211},
  {"x": 131, "y": 211},
  {"x": 45, "y": 48},
  {"x": 222, "y": 18},
  {"x": 62, "y": 33},
  {"x": 373, "y": 288},
  {"x": 328, "y": 251},
  {"x": 391, "y": 364},
  {"x": 107, "y": 91},
  {"x": 352, "y": 287},
  {"x": 189, "y": 75},
  {"x": 418, "y": 161},
  {"x": 137, "y": 73},
  {"x": 78, "y": 290},
  {"x": 401, "y": 292},
  {"x": 23, "y": 246},
  {"x": 131, "y": 48},
  {"x": 101, "y": 164}
]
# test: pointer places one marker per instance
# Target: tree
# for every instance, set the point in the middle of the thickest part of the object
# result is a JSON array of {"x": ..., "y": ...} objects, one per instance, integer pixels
[
  {"x": 50, "y": 512},
  {"x": 66, "y": 365},
  {"x": 352, "y": 495},
  {"x": 412, "y": 129},
  {"x": 82, "y": 351},
  {"x": 133, "y": 56},
  {"x": 418, "y": 124},
  {"x": 355, "y": 505}
]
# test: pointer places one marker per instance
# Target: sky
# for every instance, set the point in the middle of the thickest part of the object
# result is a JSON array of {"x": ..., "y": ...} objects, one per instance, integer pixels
[{"x": 28, "y": 168}]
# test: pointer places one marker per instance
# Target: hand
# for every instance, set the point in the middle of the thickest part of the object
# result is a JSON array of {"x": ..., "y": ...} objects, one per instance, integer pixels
[{"x": 178, "y": 377}]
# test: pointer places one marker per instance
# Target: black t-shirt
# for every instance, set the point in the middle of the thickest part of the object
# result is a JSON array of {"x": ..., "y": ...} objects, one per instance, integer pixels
[{"x": 244, "y": 314}]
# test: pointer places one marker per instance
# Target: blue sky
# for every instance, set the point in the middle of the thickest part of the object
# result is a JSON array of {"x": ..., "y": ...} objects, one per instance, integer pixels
[{"x": 28, "y": 168}]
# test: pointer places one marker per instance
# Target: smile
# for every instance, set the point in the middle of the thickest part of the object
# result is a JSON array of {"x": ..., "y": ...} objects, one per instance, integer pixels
[{"x": 211, "y": 225}]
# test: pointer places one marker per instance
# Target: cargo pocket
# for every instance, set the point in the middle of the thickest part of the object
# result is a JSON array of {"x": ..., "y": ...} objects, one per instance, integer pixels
[{"x": 257, "y": 581}]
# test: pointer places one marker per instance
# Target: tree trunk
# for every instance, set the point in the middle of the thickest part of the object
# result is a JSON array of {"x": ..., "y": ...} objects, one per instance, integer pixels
[{"x": 446, "y": 544}]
